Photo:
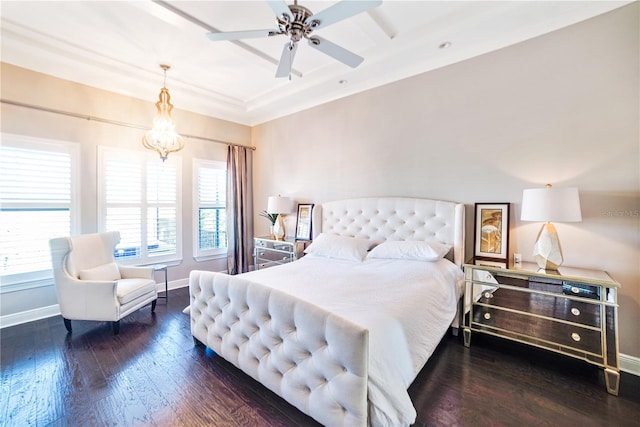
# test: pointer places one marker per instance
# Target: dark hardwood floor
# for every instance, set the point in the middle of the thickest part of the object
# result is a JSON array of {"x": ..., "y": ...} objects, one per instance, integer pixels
[{"x": 152, "y": 374}]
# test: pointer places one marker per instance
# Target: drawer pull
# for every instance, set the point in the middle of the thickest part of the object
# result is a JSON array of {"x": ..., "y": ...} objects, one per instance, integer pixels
[
  {"x": 575, "y": 290},
  {"x": 575, "y": 311},
  {"x": 488, "y": 294},
  {"x": 487, "y": 316},
  {"x": 575, "y": 336}
]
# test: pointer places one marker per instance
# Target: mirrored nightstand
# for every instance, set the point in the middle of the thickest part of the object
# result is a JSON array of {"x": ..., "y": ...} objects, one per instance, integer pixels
[{"x": 269, "y": 251}]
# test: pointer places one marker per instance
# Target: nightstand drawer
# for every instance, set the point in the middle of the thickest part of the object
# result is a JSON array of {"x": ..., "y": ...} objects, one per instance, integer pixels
[
  {"x": 260, "y": 264},
  {"x": 544, "y": 305},
  {"x": 546, "y": 332},
  {"x": 581, "y": 290},
  {"x": 274, "y": 245},
  {"x": 546, "y": 284},
  {"x": 266, "y": 255}
]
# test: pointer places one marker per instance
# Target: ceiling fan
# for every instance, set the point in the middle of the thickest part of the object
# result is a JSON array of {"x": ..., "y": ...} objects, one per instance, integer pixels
[{"x": 297, "y": 22}]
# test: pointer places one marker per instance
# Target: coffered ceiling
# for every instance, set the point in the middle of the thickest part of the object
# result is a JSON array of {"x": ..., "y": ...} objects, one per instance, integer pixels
[{"x": 118, "y": 46}]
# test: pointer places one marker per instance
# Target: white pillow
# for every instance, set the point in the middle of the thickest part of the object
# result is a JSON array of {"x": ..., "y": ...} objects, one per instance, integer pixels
[
  {"x": 104, "y": 272},
  {"x": 410, "y": 249},
  {"x": 340, "y": 247}
]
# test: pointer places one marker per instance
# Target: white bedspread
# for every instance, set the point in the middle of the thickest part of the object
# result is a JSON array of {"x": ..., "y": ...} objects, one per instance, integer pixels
[{"x": 407, "y": 306}]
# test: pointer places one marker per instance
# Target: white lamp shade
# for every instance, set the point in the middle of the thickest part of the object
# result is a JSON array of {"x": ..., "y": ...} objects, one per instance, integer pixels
[
  {"x": 278, "y": 205},
  {"x": 551, "y": 205}
]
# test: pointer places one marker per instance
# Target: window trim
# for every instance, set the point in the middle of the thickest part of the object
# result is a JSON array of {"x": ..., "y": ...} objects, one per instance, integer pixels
[
  {"x": 39, "y": 278},
  {"x": 144, "y": 157},
  {"x": 209, "y": 254}
]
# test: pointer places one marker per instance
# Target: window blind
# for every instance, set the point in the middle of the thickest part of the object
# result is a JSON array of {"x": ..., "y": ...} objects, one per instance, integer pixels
[
  {"x": 211, "y": 186},
  {"x": 38, "y": 200},
  {"x": 140, "y": 199}
]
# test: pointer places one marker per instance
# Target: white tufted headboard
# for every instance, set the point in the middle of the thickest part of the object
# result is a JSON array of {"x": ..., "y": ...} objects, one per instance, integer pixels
[{"x": 394, "y": 218}]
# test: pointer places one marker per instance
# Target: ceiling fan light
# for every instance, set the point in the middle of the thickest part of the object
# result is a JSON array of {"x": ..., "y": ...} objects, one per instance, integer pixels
[{"x": 163, "y": 137}]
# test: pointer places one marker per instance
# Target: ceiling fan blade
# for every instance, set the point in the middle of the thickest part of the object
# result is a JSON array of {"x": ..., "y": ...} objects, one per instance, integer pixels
[
  {"x": 237, "y": 35},
  {"x": 341, "y": 54},
  {"x": 339, "y": 11},
  {"x": 286, "y": 59},
  {"x": 280, "y": 8}
]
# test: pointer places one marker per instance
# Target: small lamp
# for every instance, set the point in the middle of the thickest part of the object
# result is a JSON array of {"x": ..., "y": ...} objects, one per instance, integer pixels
[
  {"x": 278, "y": 205},
  {"x": 546, "y": 205}
]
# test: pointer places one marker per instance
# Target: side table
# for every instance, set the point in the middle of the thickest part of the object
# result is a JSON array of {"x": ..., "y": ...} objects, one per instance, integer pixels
[
  {"x": 163, "y": 267},
  {"x": 572, "y": 311}
]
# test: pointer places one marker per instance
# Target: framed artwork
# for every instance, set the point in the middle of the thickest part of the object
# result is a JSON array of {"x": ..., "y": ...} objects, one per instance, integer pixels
[
  {"x": 491, "y": 234},
  {"x": 303, "y": 222}
]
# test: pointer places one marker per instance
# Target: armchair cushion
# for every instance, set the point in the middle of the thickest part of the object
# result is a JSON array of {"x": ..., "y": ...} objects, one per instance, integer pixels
[
  {"x": 104, "y": 272},
  {"x": 130, "y": 289},
  {"x": 130, "y": 272}
]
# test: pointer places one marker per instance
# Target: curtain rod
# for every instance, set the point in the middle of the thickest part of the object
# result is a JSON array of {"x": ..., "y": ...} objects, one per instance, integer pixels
[{"x": 112, "y": 122}]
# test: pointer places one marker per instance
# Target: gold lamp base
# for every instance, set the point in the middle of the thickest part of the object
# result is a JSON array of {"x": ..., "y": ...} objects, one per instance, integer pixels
[{"x": 547, "y": 251}]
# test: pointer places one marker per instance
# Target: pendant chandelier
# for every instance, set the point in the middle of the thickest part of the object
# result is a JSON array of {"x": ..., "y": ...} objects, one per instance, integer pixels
[{"x": 163, "y": 137}]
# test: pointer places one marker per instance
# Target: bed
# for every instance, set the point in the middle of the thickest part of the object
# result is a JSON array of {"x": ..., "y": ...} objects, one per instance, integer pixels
[{"x": 342, "y": 332}]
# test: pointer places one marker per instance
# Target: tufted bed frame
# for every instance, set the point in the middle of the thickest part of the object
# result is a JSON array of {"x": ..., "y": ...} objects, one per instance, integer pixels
[{"x": 288, "y": 344}]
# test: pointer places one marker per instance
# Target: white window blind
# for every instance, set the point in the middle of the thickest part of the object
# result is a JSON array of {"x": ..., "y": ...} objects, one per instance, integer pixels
[
  {"x": 140, "y": 198},
  {"x": 38, "y": 201},
  {"x": 210, "y": 186}
]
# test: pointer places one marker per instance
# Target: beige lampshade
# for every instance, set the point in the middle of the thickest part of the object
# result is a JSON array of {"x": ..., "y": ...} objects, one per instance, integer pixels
[
  {"x": 278, "y": 205},
  {"x": 547, "y": 205},
  {"x": 551, "y": 205}
]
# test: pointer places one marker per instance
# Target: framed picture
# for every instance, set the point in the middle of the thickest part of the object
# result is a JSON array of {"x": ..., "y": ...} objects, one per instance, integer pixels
[
  {"x": 491, "y": 236},
  {"x": 303, "y": 222}
]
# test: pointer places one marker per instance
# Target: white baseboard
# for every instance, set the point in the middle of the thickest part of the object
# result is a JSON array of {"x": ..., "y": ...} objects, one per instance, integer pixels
[
  {"x": 174, "y": 284},
  {"x": 29, "y": 316},
  {"x": 53, "y": 310},
  {"x": 630, "y": 364}
]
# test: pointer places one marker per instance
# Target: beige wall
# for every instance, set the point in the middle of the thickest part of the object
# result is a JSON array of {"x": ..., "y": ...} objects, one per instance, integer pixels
[
  {"x": 38, "y": 89},
  {"x": 562, "y": 108}
]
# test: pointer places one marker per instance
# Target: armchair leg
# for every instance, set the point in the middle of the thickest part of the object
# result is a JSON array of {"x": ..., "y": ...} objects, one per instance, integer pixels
[
  {"x": 153, "y": 305},
  {"x": 116, "y": 327},
  {"x": 67, "y": 324}
]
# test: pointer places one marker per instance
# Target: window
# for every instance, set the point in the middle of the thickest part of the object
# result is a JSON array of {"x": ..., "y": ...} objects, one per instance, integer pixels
[
  {"x": 139, "y": 196},
  {"x": 210, "y": 188},
  {"x": 39, "y": 196}
]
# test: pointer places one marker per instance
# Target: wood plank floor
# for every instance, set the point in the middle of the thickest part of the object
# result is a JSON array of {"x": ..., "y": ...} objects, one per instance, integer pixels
[{"x": 151, "y": 374}]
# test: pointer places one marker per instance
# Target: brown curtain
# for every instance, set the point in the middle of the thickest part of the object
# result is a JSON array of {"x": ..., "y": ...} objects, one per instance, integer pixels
[{"x": 239, "y": 209}]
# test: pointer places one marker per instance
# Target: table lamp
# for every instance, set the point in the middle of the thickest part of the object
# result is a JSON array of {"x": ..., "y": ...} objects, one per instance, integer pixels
[
  {"x": 278, "y": 205},
  {"x": 547, "y": 205}
]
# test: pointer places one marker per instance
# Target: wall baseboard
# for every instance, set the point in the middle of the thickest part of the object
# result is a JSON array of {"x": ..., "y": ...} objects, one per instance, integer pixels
[
  {"x": 53, "y": 310},
  {"x": 29, "y": 316},
  {"x": 628, "y": 364},
  {"x": 174, "y": 284}
]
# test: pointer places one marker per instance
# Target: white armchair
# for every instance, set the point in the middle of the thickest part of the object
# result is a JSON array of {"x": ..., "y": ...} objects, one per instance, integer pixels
[{"x": 91, "y": 285}]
